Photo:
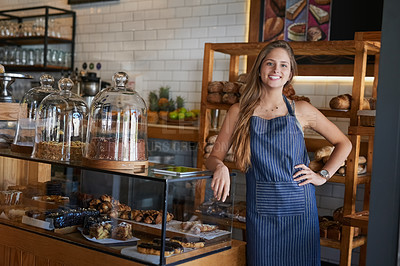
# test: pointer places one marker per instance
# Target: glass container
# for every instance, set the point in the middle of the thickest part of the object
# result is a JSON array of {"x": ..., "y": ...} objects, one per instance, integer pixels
[
  {"x": 61, "y": 122},
  {"x": 117, "y": 128},
  {"x": 25, "y": 131}
]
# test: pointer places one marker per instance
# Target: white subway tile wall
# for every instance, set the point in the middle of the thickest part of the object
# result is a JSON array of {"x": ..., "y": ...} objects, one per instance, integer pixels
[{"x": 161, "y": 42}]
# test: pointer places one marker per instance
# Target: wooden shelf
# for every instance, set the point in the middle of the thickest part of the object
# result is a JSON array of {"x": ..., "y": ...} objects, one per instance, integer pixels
[
  {"x": 25, "y": 68},
  {"x": 335, "y": 113},
  {"x": 360, "y": 130},
  {"x": 300, "y": 48},
  {"x": 170, "y": 132},
  {"x": 362, "y": 179},
  {"x": 357, "y": 242},
  {"x": 358, "y": 219},
  {"x": 221, "y": 106}
]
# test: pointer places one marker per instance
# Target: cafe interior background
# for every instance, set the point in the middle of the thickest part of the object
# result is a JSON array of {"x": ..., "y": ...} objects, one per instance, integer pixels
[{"x": 161, "y": 43}]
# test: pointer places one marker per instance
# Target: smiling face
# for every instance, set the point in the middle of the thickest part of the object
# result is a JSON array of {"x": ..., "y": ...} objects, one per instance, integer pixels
[{"x": 275, "y": 70}]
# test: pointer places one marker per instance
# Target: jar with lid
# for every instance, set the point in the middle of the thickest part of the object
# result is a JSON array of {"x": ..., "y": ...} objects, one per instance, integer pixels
[
  {"x": 61, "y": 122},
  {"x": 117, "y": 128},
  {"x": 25, "y": 131}
]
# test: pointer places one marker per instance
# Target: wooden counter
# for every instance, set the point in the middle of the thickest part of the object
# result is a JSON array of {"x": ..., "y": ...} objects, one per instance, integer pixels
[{"x": 21, "y": 247}]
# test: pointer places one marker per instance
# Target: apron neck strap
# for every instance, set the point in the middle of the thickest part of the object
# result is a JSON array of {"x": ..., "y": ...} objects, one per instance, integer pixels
[{"x": 288, "y": 105}]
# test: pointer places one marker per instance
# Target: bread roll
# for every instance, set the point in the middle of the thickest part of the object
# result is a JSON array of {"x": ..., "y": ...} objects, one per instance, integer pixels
[
  {"x": 372, "y": 103},
  {"x": 231, "y": 87},
  {"x": 365, "y": 104},
  {"x": 322, "y": 152},
  {"x": 212, "y": 139},
  {"x": 230, "y": 98},
  {"x": 316, "y": 166},
  {"x": 215, "y": 86},
  {"x": 214, "y": 97},
  {"x": 342, "y": 102},
  {"x": 362, "y": 160}
]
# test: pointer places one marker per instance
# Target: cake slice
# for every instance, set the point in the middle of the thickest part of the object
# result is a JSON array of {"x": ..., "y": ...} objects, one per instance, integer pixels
[
  {"x": 294, "y": 10},
  {"x": 319, "y": 14}
]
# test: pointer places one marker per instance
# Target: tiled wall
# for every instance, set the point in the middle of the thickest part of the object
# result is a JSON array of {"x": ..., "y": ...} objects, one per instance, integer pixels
[{"x": 161, "y": 42}]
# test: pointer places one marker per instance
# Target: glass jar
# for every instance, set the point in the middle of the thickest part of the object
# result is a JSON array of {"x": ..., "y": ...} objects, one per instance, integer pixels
[
  {"x": 25, "y": 132},
  {"x": 117, "y": 128},
  {"x": 61, "y": 125}
]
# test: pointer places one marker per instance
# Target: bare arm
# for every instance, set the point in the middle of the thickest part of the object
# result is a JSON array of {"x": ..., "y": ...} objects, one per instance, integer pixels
[
  {"x": 221, "y": 179},
  {"x": 310, "y": 117}
]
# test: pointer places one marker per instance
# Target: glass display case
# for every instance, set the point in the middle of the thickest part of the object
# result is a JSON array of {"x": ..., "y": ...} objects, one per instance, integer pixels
[
  {"x": 153, "y": 218},
  {"x": 60, "y": 131},
  {"x": 25, "y": 131},
  {"x": 117, "y": 128}
]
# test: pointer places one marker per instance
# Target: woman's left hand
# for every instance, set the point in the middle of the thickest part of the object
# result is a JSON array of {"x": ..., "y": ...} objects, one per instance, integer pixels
[{"x": 306, "y": 175}]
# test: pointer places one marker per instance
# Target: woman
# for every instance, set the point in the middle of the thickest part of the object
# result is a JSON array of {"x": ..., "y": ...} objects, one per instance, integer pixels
[{"x": 266, "y": 132}]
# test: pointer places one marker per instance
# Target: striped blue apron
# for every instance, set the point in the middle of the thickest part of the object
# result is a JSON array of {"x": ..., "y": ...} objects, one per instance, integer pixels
[{"x": 282, "y": 218}]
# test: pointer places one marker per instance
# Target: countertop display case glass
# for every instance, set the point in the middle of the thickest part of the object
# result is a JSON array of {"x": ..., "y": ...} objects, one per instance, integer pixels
[{"x": 154, "y": 218}]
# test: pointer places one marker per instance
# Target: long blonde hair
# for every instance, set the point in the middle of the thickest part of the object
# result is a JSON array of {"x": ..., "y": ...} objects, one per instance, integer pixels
[{"x": 250, "y": 99}]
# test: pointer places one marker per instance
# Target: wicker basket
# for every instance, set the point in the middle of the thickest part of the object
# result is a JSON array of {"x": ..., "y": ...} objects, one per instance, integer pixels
[{"x": 367, "y": 117}]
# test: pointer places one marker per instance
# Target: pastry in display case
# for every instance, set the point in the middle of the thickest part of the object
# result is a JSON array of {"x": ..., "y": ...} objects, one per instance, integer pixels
[
  {"x": 25, "y": 131},
  {"x": 60, "y": 128},
  {"x": 117, "y": 128},
  {"x": 152, "y": 219}
]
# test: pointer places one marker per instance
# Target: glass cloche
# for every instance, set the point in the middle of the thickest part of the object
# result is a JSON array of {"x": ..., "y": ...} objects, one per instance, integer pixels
[
  {"x": 61, "y": 125},
  {"x": 117, "y": 128},
  {"x": 25, "y": 132}
]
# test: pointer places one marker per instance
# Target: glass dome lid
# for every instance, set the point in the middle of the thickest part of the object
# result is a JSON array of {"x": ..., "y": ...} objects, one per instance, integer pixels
[
  {"x": 25, "y": 131},
  {"x": 61, "y": 121},
  {"x": 117, "y": 128}
]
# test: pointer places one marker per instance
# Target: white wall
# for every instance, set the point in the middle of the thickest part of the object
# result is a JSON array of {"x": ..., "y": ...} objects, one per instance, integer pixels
[{"x": 161, "y": 42}]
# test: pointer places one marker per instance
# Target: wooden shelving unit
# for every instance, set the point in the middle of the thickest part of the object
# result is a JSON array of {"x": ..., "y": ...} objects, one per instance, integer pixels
[{"x": 358, "y": 48}]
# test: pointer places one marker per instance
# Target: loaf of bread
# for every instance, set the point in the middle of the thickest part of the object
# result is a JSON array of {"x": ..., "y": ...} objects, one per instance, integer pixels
[
  {"x": 372, "y": 103},
  {"x": 322, "y": 152},
  {"x": 273, "y": 27},
  {"x": 341, "y": 102},
  {"x": 214, "y": 97},
  {"x": 316, "y": 166},
  {"x": 212, "y": 139},
  {"x": 231, "y": 87},
  {"x": 230, "y": 98},
  {"x": 215, "y": 86}
]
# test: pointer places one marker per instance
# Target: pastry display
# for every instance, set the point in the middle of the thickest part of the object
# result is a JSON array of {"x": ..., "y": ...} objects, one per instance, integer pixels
[
  {"x": 196, "y": 227},
  {"x": 101, "y": 230},
  {"x": 71, "y": 217},
  {"x": 189, "y": 242},
  {"x": 294, "y": 10},
  {"x": 154, "y": 249},
  {"x": 320, "y": 15},
  {"x": 178, "y": 248},
  {"x": 109, "y": 206},
  {"x": 123, "y": 231},
  {"x": 145, "y": 216}
]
